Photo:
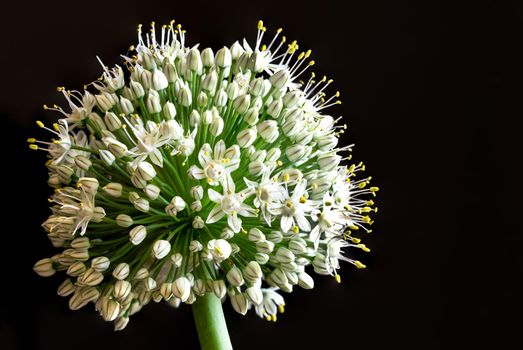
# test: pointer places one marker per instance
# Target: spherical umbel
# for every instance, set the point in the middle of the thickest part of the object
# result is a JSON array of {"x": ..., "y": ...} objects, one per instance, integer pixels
[{"x": 200, "y": 172}]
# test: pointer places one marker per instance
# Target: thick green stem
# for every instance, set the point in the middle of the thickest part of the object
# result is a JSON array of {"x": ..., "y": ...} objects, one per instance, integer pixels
[{"x": 210, "y": 323}]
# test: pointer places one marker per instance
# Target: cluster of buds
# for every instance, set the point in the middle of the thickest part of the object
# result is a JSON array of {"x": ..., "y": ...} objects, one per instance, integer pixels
[{"x": 202, "y": 172}]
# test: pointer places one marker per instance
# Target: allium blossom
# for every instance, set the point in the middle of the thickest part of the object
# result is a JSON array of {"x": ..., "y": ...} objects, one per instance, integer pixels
[{"x": 200, "y": 172}]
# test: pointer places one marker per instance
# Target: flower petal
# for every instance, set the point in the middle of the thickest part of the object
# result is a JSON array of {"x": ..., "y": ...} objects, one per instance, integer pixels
[
  {"x": 214, "y": 196},
  {"x": 216, "y": 214},
  {"x": 302, "y": 222},
  {"x": 235, "y": 223},
  {"x": 219, "y": 150},
  {"x": 205, "y": 155},
  {"x": 156, "y": 157},
  {"x": 286, "y": 223}
]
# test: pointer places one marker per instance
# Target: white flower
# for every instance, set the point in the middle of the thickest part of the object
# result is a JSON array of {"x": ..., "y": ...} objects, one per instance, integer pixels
[
  {"x": 216, "y": 166},
  {"x": 331, "y": 221},
  {"x": 149, "y": 138},
  {"x": 268, "y": 194},
  {"x": 230, "y": 204},
  {"x": 295, "y": 209},
  {"x": 271, "y": 304}
]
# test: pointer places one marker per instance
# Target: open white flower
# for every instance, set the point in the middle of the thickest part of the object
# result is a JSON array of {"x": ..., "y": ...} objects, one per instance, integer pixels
[
  {"x": 216, "y": 166},
  {"x": 231, "y": 204},
  {"x": 149, "y": 139},
  {"x": 294, "y": 209},
  {"x": 268, "y": 194}
]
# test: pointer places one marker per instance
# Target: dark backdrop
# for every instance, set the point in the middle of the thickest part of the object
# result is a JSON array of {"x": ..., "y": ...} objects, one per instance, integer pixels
[{"x": 428, "y": 90}]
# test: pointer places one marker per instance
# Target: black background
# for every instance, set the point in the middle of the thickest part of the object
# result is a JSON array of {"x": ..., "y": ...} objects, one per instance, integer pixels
[{"x": 431, "y": 95}]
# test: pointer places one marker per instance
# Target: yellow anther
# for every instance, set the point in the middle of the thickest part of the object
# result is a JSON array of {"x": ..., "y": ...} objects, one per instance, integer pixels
[
  {"x": 366, "y": 219},
  {"x": 49, "y": 162},
  {"x": 330, "y": 81},
  {"x": 60, "y": 88},
  {"x": 362, "y": 184},
  {"x": 56, "y": 141},
  {"x": 369, "y": 202},
  {"x": 359, "y": 265},
  {"x": 45, "y": 107},
  {"x": 351, "y": 168},
  {"x": 374, "y": 189},
  {"x": 283, "y": 39},
  {"x": 279, "y": 162},
  {"x": 338, "y": 102},
  {"x": 260, "y": 24},
  {"x": 295, "y": 229},
  {"x": 33, "y": 146},
  {"x": 206, "y": 153},
  {"x": 268, "y": 318},
  {"x": 172, "y": 22},
  {"x": 209, "y": 180},
  {"x": 308, "y": 53},
  {"x": 286, "y": 177},
  {"x": 303, "y": 199},
  {"x": 274, "y": 318},
  {"x": 40, "y": 124},
  {"x": 279, "y": 30},
  {"x": 179, "y": 26},
  {"x": 264, "y": 47},
  {"x": 218, "y": 250},
  {"x": 354, "y": 227},
  {"x": 281, "y": 308},
  {"x": 31, "y": 140},
  {"x": 355, "y": 240},
  {"x": 337, "y": 94},
  {"x": 56, "y": 127},
  {"x": 367, "y": 209},
  {"x": 301, "y": 55},
  {"x": 337, "y": 278},
  {"x": 364, "y": 248},
  {"x": 311, "y": 63},
  {"x": 49, "y": 200}
]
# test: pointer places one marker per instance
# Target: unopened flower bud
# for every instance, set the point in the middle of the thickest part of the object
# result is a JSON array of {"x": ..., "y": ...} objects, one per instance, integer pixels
[
  {"x": 255, "y": 235},
  {"x": 161, "y": 248},
  {"x": 44, "y": 267},
  {"x": 82, "y": 162},
  {"x": 124, "y": 220},
  {"x": 100, "y": 263},
  {"x": 279, "y": 79},
  {"x": 112, "y": 121},
  {"x": 207, "y": 57},
  {"x": 126, "y": 106},
  {"x": 223, "y": 58},
  {"x": 246, "y": 137},
  {"x": 121, "y": 271},
  {"x": 234, "y": 276},
  {"x": 159, "y": 80},
  {"x": 198, "y": 222},
  {"x": 107, "y": 157},
  {"x": 181, "y": 288},
  {"x": 240, "y": 303},
  {"x": 122, "y": 289},
  {"x": 242, "y": 103},
  {"x": 137, "y": 234},
  {"x": 216, "y": 126}
]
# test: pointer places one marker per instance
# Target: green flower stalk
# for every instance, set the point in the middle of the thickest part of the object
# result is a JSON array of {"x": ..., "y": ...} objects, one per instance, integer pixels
[{"x": 200, "y": 177}]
